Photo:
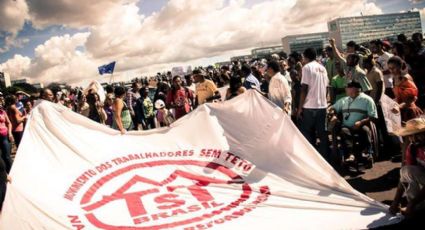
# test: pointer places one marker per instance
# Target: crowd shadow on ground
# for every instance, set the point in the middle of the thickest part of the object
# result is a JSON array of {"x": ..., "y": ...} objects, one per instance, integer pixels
[{"x": 383, "y": 183}]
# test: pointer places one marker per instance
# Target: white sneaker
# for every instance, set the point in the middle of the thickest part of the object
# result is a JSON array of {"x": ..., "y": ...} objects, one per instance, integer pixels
[{"x": 350, "y": 158}]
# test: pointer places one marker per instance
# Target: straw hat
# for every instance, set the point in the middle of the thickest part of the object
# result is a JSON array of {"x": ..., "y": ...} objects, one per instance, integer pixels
[{"x": 414, "y": 126}]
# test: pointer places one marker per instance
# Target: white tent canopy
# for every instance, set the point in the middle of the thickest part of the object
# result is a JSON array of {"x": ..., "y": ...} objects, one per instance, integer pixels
[{"x": 241, "y": 164}]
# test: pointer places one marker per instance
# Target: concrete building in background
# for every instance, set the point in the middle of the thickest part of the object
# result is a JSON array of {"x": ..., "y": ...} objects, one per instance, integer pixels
[
  {"x": 263, "y": 52},
  {"x": 366, "y": 28},
  {"x": 241, "y": 58},
  {"x": 18, "y": 81},
  {"x": 38, "y": 85},
  {"x": 4, "y": 80},
  {"x": 301, "y": 42}
]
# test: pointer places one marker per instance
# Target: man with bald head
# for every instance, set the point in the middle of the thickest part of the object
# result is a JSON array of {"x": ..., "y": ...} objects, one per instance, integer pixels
[{"x": 46, "y": 94}]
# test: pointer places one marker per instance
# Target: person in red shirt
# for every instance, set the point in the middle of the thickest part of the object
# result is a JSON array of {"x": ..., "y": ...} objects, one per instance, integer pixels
[
  {"x": 412, "y": 174},
  {"x": 405, "y": 90},
  {"x": 179, "y": 98},
  {"x": 17, "y": 119}
]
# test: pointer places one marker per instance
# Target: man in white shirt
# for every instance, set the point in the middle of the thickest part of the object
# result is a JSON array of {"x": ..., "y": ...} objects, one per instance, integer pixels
[
  {"x": 383, "y": 57},
  {"x": 279, "y": 90},
  {"x": 311, "y": 113}
]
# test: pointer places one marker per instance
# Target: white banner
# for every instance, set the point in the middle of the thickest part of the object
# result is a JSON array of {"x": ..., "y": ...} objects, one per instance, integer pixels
[
  {"x": 392, "y": 120},
  {"x": 241, "y": 164},
  {"x": 223, "y": 92}
]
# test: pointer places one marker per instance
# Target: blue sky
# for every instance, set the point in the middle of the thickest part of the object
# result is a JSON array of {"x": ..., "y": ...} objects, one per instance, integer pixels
[{"x": 32, "y": 37}]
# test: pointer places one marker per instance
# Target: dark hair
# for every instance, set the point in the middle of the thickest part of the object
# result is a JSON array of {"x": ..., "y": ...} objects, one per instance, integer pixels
[
  {"x": 351, "y": 44},
  {"x": 134, "y": 84},
  {"x": 417, "y": 35},
  {"x": 43, "y": 93},
  {"x": 235, "y": 83},
  {"x": 225, "y": 67},
  {"x": 398, "y": 62},
  {"x": 91, "y": 98},
  {"x": 142, "y": 91},
  {"x": 10, "y": 100},
  {"x": 400, "y": 48},
  {"x": 293, "y": 73},
  {"x": 119, "y": 91},
  {"x": 377, "y": 42},
  {"x": 187, "y": 77},
  {"x": 369, "y": 62},
  {"x": 328, "y": 49},
  {"x": 109, "y": 89},
  {"x": 356, "y": 58},
  {"x": 274, "y": 65},
  {"x": 401, "y": 38},
  {"x": 354, "y": 84},
  {"x": 310, "y": 54},
  {"x": 246, "y": 70},
  {"x": 173, "y": 88},
  {"x": 296, "y": 56},
  {"x": 175, "y": 77},
  {"x": 198, "y": 72}
]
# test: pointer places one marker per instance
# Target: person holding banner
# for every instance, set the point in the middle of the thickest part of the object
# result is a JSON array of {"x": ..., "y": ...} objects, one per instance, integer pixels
[
  {"x": 412, "y": 174},
  {"x": 206, "y": 90},
  {"x": 405, "y": 90},
  {"x": 235, "y": 89},
  {"x": 46, "y": 94},
  {"x": 279, "y": 89},
  {"x": 122, "y": 118},
  {"x": 179, "y": 98},
  {"x": 131, "y": 100}
]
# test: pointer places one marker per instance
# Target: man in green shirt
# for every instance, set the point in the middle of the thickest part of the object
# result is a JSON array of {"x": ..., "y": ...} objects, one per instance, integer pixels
[
  {"x": 358, "y": 110},
  {"x": 330, "y": 64},
  {"x": 338, "y": 84}
]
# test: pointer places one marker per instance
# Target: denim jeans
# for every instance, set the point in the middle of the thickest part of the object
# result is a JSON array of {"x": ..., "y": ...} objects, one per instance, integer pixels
[
  {"x": 5, "y": 152},
  {"x": 313, "y": 125}
]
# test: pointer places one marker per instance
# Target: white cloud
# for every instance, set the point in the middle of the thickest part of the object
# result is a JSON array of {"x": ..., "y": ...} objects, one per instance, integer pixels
[
  {"x": 371, "y": 9},
  {"x": 76, "y": 13},
  {"x": 16, "y": 67},
  {"x": 11, "y": 41},
  {"x": 182, "y": 32},
  {"x": 12, "y": 19},
  {"x": 59, "y": 59},
  {"x": 12, "y": 15}
]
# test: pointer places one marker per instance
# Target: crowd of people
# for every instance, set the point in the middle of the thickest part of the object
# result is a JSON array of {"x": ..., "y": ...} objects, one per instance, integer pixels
[{"x": 316, "y": 88}]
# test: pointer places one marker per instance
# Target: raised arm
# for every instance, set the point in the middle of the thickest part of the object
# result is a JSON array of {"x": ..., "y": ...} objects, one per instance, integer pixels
[{"x": 335, "y": 50}]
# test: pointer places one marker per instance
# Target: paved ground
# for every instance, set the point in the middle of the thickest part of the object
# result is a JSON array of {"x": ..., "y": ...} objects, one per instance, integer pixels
[{"x": 379, "y": 182}]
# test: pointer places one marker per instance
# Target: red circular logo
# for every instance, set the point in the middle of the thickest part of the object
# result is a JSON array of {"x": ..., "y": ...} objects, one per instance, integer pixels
[{"x": 186, "y": 193}]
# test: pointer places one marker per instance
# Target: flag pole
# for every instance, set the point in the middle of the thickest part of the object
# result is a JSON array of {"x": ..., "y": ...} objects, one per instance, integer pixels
[{"x": 111, "y": 78}]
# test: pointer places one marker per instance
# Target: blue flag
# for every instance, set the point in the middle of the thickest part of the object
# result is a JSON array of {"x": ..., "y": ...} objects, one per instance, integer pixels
[{"x": 109, "y": 68}]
